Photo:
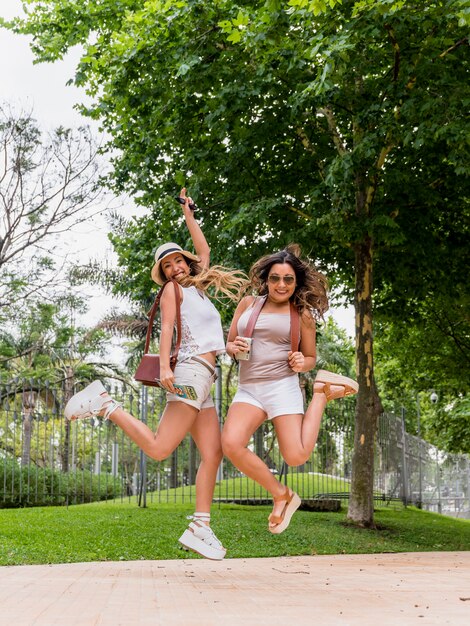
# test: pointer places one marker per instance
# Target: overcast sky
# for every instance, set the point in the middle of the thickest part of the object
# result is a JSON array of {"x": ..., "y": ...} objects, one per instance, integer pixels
[
  {"x": 42, "y": 89},
  {"x": 42, "y": 86}
]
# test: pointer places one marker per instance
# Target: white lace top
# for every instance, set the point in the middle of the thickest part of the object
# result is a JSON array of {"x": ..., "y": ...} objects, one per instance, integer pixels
[{"x": 201, "y": 327}]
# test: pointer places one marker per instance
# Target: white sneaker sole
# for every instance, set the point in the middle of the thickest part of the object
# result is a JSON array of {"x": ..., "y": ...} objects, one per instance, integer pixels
[
  {"x": 191, "y": 542},
  {"x": 78, "y": 405}
]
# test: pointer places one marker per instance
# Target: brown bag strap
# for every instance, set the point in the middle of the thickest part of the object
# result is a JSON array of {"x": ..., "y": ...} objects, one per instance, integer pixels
[
  {"x": 259, "y": 304},
  {"x": 294, "y": 328},
  {"x": 153, "y": 312},
  {"x": 294, "y": 322}
]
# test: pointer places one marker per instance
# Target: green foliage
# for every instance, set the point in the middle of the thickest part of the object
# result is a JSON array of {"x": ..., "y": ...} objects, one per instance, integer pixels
[
  {"x": 449, "y": 425},
  {"x": 421, "y": 355},
  {"x": 44, "y": 341},
  {"x": 43, "y": 356},
  {"x": 428, "y": 352},
  {"x": 335, "y": 350},
  {"x": 273, "y": 133},
  {"x": 26, "y": 487},
  {"x": 340, "y": 125}
]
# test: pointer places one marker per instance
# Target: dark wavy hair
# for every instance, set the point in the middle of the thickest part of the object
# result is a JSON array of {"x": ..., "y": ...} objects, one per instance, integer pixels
[{"x": 311, "y": 288}]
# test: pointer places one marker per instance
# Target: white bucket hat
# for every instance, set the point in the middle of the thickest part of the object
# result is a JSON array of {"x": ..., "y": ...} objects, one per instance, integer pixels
[{"x": 165, "y": 250}]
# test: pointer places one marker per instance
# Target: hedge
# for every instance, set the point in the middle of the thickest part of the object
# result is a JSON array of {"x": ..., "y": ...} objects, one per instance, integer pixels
[{"x": 38, "y": 486}]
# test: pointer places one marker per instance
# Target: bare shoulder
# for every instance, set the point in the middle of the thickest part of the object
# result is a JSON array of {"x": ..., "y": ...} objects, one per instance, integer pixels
[
  {"x": 168, "y": 295},
  {"x": 246, "y": 302}
]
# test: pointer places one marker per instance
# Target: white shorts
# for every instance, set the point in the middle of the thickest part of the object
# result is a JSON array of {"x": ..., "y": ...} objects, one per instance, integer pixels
[
  {"x": 199, "y": 376},
  {"x": 277, "y": 397}
]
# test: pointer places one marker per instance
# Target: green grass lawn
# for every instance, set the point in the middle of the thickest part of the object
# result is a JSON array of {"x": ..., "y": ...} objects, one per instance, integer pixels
[
  {"x": 122, "y": 531},
  {"x": 305, "y": 484}
]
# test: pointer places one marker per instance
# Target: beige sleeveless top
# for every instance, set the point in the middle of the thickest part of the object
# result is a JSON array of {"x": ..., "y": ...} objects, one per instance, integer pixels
[{"x": 269, "y": 348}]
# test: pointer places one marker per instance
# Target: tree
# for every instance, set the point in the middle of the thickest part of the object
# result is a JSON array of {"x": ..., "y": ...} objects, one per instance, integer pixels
[
  {"x": 432, "y": 348},
  {"x": 47, "y": 352},
  {"x": 47, "y": 184},
  {"x": 335, "y": 350},
  {"x": 315, "y": 121}
]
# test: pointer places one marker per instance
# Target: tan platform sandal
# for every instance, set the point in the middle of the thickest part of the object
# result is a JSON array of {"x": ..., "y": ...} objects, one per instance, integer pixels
[
  {"x": 282, "y": 521},
  {"x": 328, "y": 379}
]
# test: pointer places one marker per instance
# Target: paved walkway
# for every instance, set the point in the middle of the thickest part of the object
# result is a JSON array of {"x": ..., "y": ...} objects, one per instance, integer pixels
[{"x": 385, "y": 589}]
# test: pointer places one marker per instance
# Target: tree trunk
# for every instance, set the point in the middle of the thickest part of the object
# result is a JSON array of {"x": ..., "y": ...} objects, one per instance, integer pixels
[{"x": 361, "y": 502}]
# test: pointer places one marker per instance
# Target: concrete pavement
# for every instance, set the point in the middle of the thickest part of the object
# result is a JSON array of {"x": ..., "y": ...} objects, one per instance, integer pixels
[{"x": 346, "y": 590}]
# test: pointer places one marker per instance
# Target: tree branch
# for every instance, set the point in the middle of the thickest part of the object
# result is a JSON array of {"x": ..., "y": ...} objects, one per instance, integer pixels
[
  {"x": 462, "y": 42},
  {"x": 337, "y": 140},
  {"x": 305, "y": 140},
  {"x": 396, "y": 47},
  {"x": 371, "y": 189}
]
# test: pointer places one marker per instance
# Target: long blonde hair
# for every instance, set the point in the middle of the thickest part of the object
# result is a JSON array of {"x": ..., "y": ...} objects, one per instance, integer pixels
[{"x": 218, "y": 279}]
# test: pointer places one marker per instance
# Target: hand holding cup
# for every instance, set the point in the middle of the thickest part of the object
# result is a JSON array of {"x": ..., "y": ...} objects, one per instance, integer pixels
[{"x": 242, "y": 348}]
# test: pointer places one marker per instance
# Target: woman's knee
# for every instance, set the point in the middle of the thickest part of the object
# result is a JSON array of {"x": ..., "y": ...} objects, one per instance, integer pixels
[
  {"x": 159, "y": 452},
  {"x": 231, "y": 446},
  {"x": 212, "y": 457},
  {"x": 295, "y": 458}
]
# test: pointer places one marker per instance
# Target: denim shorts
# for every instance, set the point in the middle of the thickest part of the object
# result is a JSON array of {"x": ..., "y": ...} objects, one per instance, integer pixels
[
  {"x": 274, "y": 397},
  {"x": 198, "y": 375}
]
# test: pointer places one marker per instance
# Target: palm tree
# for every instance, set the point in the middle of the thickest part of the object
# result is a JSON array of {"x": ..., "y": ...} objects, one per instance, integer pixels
[{"x": 49, "y": 352}]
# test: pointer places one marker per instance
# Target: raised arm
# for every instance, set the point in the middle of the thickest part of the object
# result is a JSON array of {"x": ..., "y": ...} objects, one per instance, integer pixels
[{"x": 200, "y": 244}]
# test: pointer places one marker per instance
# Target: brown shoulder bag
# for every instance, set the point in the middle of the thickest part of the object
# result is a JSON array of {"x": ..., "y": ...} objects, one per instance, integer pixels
[{"x": 148, "y": 372}]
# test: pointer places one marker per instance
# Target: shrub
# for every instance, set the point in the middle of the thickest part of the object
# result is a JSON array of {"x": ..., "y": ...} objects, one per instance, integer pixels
[{"x": 37, "y": 486}]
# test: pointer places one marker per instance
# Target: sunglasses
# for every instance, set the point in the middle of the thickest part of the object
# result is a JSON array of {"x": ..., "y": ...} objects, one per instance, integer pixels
[{"x": 274, "y": 279}]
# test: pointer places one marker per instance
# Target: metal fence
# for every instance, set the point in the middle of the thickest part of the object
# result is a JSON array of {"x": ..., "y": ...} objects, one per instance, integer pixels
[{"x": 44, "y": 459}]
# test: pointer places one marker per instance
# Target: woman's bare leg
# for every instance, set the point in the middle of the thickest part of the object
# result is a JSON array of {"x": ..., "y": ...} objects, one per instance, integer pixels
[
  {"x": 176, "y": 421},
  {"x": 242, "y": 421},
  {"x": 206, "y": 434},
  {"x": 297, "y": 434}
]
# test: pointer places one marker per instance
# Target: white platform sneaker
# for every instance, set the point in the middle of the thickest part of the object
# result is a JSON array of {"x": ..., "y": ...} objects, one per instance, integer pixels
[
  {"x": 201, "y": 539},
  {"x": 89, "y": 403}
]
